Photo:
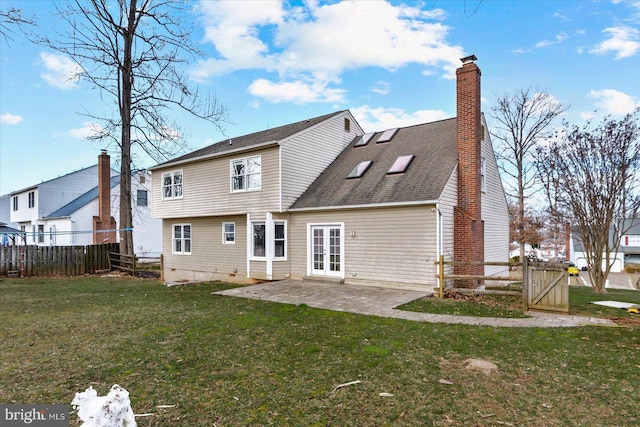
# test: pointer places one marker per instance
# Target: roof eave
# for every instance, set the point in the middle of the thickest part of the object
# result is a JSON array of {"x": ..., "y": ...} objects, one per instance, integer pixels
[
  {"x": 214, "y": 155},
  {"x": 367, "y": 206}
]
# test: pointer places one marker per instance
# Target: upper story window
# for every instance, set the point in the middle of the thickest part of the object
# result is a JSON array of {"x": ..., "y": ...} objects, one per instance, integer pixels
[
  {"x": 142, "y": 198},
  {"x": 246, "y": 174},
  {"x": 32, "y": 199},
  {"x": 347, "y": 124},
  {"x": 172, "y": 185},
  {"x": 483, "y": 180},
  {"x": 15, "y": 203}
]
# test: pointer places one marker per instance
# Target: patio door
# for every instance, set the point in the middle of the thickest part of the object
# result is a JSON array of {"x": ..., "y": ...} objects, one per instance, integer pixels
[{"x": 326, "y": 250}]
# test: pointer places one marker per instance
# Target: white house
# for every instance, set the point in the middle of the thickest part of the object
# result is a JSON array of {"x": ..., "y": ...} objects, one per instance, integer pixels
[{"x": 80, "y": 208}]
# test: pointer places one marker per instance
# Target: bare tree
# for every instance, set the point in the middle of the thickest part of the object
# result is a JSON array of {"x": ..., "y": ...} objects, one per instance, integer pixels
[
  {"x": 598, "y": 183},
  {"x": 549, "y": 180},
  {"x": 134, "y": 52},
  {"x": 12, "y": 18},
  {"x": 523, "y": 119}
]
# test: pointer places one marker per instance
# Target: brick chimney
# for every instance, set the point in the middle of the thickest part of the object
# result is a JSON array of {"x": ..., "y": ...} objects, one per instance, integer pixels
[
  {"x": 104, "y": 220},
  {"x": 468, "y": 225}
]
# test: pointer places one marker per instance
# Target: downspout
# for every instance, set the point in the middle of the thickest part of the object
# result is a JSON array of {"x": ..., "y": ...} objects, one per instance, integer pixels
[
  {"x": 249, "y": 237},
  {"x": 268, "y": 246}
]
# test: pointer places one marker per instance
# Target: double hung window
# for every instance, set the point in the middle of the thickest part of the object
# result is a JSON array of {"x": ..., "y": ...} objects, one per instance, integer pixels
[
  {"x": 182, "y": 238},
  {"x": 228, "y": 233},
  {"x": 246, "y": 174},
  {"x": 172, "y": 185}
]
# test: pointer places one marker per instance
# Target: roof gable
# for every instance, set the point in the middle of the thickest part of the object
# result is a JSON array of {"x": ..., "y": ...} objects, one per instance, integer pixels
[
  {"x": 71, "y": 207},
  {"x": 250, "y": 140},
  {"x": 433, "y": 146}
]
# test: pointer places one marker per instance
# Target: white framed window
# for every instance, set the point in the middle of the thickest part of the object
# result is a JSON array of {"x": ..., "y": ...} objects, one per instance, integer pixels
[
  {"x": 228, "y": 233},
  {"x": 181, "y": 239},
  {"x": 246, "y": 174},
  {"x": 172, "y": 185},
  {"x": 280, "y": 240},
  {"x": 258, "y": 240},
  {"x": 32, "y": 199},
  {"x": 15, "y": 203}
]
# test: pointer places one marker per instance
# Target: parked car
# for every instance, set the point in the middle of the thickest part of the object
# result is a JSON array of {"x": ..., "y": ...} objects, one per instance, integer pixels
[{"x": 571, "y": 268}]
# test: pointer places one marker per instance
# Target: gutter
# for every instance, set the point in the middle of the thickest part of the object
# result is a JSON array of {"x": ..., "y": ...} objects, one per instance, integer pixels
[{"x": 367, "y": 206}]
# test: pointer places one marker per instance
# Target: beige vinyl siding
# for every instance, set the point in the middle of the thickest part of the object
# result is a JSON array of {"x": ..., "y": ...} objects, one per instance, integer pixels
[
  {"x": 305, "y": 156},
  {"x": 495, "y": 212},
  {"x": 400, "y": 253},
  {"x": 210, "y": 259},
  {"x": 207, "y": 188},
  {"x": 448, "y": 200}
]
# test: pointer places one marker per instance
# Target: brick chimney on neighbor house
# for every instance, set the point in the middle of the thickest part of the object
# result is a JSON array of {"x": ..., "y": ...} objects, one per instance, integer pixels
[
  {"x": 468, "y": 226},
  {"x": 104, "y": 221}
]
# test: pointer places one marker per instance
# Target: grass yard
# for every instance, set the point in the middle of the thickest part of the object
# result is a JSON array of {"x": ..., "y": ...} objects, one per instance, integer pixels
[
  {"x": 235, "y": 362},
  {"x": 510, "y": 306}
]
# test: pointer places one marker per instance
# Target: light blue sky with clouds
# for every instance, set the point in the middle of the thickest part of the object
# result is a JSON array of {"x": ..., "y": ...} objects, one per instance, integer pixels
[{"x": 272, "y": 62}]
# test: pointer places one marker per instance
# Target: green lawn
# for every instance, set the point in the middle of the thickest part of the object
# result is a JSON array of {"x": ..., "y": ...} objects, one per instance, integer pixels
[
  {"x": 236, "y": 362},
  {"x": 510, "y": 306}
]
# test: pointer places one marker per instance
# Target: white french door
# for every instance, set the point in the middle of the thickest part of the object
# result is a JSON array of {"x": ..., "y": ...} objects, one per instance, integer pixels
[{"x": 326, "y": 251}]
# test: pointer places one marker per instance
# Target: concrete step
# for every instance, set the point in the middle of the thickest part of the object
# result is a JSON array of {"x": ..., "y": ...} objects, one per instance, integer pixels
[{"x": 331, "y": 280}]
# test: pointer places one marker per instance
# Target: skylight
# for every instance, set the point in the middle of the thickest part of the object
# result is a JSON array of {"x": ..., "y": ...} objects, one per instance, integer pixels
[
  {"x": 401, "y": 164},
  {"x": 360, "y": 169},
  {"x": 387, "y": 135},
  {"x": 364, "y": 140}
]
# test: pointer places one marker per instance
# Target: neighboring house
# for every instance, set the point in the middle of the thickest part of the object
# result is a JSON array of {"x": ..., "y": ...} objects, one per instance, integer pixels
[
  {"x": 319, "y": 198},
  {"x": 9, "y": 236},
  {"x": 73, "y": 210},
  {"x": 628, "y": 252}
]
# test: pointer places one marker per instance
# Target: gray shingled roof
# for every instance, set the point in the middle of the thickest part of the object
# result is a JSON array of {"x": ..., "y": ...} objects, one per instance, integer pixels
[
  {"x": 5, "y": 229},
  {"x": 71, "y": 207},
  {"x": 434, "y": 147},
  {"x": 246, "y": 141}
]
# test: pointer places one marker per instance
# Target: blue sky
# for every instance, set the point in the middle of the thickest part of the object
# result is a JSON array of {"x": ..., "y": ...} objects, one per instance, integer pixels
[{"x": 272, "y": 62}]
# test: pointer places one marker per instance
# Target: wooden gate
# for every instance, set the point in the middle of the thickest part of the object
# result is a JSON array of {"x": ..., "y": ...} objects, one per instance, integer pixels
[{"x": 547, "y": 288}]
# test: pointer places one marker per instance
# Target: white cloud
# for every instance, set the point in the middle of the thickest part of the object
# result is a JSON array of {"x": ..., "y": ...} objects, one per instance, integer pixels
[
  {"x": 297, "y": 92},
  {"x": 378, "y": 119},
  {"x": 558, "y": 39},
  {"x": 88, "y": 130},
  {"x": 319, "y": 42},
  {"x": 60, "y": 71},
  {"x": 381, "y": 88},
  {"x": 10, "y": 119},
  {"x": 612, "y": 101},
  {"x": 625, "y": 41}
]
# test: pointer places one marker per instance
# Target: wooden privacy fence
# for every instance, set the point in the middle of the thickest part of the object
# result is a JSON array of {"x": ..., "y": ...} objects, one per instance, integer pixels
[
  {"x": 25, "y": 261},
  {"x": 544, "y": 285}
]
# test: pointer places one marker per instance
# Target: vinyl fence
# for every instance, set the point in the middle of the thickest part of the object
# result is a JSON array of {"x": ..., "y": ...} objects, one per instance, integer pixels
[{"x": 25, "y": 261}]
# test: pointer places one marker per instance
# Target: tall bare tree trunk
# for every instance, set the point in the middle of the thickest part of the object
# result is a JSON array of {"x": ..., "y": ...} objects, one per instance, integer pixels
[{"x": 126, "y": 220}]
